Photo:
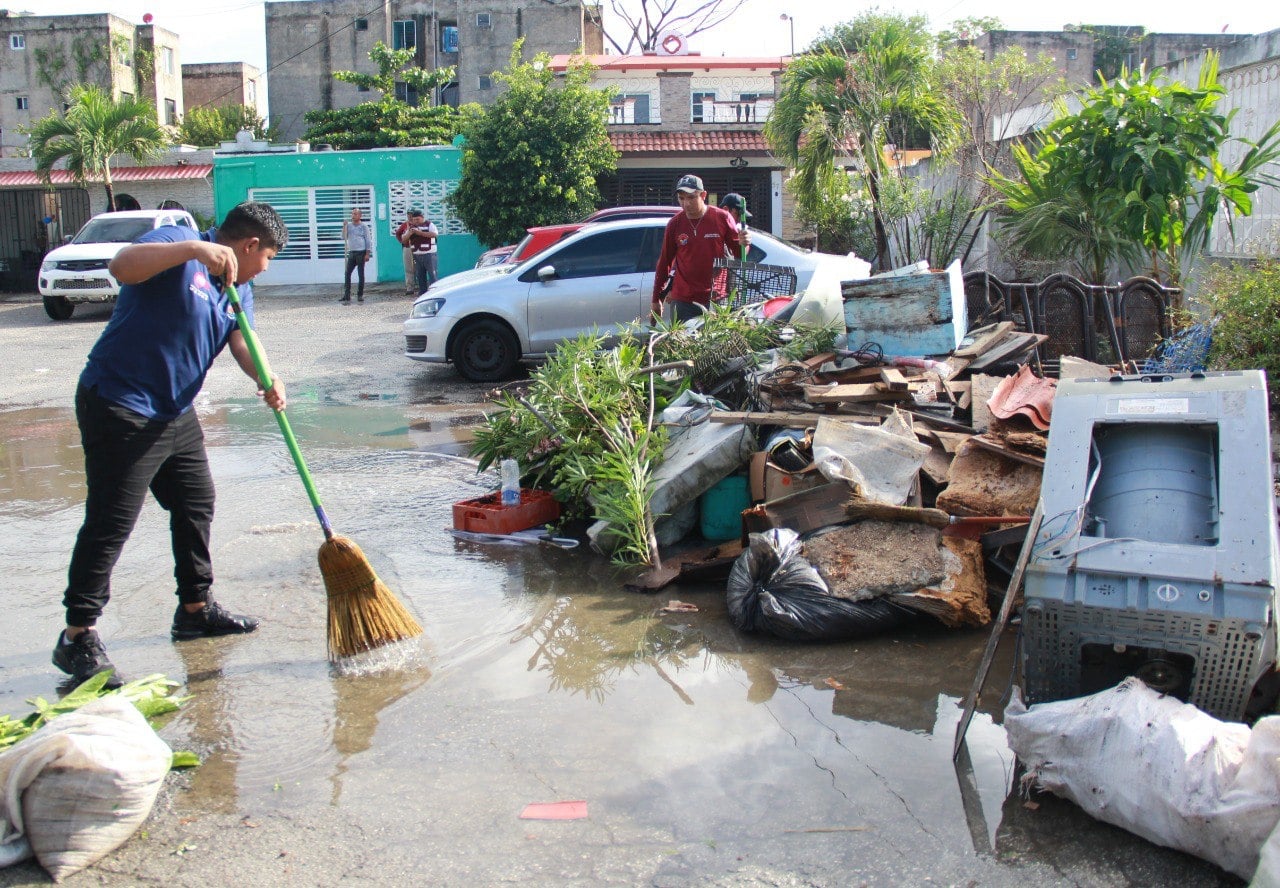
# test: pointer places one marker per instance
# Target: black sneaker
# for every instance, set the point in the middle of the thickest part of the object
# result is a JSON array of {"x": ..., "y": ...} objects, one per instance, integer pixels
[
  {"x": 345, "y": 300},
  {"x": 213, "y": 620},
  {"x": 84, "y": 658}
]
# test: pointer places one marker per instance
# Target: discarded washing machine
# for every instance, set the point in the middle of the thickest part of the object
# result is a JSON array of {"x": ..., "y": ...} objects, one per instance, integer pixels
[{"x": 1157, "y": 554}]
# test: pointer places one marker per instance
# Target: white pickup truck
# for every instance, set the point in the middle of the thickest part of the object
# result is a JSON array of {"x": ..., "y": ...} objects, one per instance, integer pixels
[{"x": 77, "y": 272}]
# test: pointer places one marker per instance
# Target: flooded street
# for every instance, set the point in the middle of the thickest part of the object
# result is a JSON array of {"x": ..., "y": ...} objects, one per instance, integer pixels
[{"x": 705, "y": 756}]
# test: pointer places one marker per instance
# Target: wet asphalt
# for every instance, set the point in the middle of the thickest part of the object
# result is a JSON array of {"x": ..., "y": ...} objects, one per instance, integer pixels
[{"x": 704, "y": 756}]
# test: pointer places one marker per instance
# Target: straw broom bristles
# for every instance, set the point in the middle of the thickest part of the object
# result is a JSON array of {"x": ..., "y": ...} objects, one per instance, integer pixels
[{"x": 363, "y": 612}]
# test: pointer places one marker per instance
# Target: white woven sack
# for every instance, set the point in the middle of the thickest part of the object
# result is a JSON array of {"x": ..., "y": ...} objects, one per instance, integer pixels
[
  {"x": 79, "y": 787},
  {"x": 1157, "y": 767}
]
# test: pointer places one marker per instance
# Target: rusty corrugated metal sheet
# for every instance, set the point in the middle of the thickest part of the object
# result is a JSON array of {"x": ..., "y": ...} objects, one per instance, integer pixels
[{"x": 28, "y": 179}]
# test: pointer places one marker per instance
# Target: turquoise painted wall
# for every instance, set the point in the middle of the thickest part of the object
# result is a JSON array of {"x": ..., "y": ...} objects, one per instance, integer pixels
[{"x": 235, "y": 174}]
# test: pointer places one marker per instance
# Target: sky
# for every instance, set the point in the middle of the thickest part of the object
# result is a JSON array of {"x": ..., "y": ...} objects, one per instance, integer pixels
[{"x": 232, "y": 30}]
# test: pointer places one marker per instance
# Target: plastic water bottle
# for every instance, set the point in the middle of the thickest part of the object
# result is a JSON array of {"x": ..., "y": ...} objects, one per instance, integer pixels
[{"x": 510, "y": 470}]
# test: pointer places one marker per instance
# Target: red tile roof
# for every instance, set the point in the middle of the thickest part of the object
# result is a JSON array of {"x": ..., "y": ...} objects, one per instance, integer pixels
[
  {"x": 741, "y": 142},
  {"x": 29, "y": 179}
]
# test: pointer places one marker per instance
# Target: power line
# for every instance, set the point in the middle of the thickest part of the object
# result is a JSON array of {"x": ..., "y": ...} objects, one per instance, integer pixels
[{"x": 305, "y": 49}]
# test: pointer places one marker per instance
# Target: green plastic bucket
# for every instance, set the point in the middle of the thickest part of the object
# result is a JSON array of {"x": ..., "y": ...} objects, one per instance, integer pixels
[{"x": 722, "y": 507}]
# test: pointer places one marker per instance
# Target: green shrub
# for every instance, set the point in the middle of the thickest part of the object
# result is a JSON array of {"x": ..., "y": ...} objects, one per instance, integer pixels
[{"x": 1245, "y": 300}]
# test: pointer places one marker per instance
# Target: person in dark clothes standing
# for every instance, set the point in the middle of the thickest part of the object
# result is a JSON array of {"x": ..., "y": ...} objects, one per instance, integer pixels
[{"x": 137, "y": 426}]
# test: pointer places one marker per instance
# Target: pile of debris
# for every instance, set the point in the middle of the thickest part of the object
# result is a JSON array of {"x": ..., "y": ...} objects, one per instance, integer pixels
[
  {"x": 907, "y": 478},
  {"x": 899, "y": 477}
]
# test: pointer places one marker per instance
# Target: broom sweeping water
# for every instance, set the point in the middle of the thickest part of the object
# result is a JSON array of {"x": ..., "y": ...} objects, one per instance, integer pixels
[{"x": 363, "y": 612}]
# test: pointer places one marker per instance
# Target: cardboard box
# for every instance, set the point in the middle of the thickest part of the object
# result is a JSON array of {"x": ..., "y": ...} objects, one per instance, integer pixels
[{"x": 768, "y": 482}]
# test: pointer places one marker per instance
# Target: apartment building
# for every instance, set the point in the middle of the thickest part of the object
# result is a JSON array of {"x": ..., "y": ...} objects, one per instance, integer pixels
[
  {"x": 41, "y": 55},
  {"x": 1080, "y": 52},
  {"x": 214, "y": 84},
  {"x": 307, "y": 40}
]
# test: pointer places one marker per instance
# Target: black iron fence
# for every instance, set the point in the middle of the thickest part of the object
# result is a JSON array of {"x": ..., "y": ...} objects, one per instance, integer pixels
[
  {"x": 24, "y": 234},
  {"x": 1107, "y": 324}
]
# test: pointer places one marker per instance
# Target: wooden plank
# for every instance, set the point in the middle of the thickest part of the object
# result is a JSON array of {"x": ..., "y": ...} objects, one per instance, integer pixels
[
  {"x": 951, "y": 441},
  {"x": 983, "y": 387},
  {"x": 984, "y": 338},
  {"x": 892, "y": 378},
  {"x": 803, "y": 511},
  {"x": 851, "y": 375},
  {"x": 993, "y": 446},
  {"x": 935, "y": 421},
  {"x": 1018, "y": 345},
  {"x": 815, "y": 362},
  {"x": 957, "y": 365},
  {"x": 997, "y": 629},
  {"x": 852, "y": 393},
  {"x": 937, "y": 464},
  {"x": 783, "y": 419}
]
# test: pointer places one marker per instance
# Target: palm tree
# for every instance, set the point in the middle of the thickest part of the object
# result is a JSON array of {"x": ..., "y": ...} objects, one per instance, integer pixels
[
  {"x": 1048, "y": 218},
  {"x": 93, "y": 129},
  {"x": 876, "y": 90}
]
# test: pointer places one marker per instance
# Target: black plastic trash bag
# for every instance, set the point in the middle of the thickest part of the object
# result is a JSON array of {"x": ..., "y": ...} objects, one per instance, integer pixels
[{"x": 773, "y": 589}]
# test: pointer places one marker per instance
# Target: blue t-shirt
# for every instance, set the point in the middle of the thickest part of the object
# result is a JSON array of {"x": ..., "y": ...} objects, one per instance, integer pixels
[{"x": 163, "y": 336}]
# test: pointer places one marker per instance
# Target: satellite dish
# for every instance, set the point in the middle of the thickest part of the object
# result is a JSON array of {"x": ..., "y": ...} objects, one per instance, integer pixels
[
  {"x": 147, "y": 18},
  {"x": 672, "y": 43}
]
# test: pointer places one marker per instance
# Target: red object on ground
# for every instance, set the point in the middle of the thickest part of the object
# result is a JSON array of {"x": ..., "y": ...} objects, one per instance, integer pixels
[
  {"x": 554, "y": 811},
  {"x": 1024, "y": 393},
  {"x": 776, "y": 304},
  {"x": 488, "y": 515}
]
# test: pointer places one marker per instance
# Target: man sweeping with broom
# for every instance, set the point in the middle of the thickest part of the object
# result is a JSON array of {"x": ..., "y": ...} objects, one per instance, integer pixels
[{"x": 137, "y": 425}]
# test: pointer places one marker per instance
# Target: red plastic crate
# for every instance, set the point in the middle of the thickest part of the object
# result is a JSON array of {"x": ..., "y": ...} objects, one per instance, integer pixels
[{"x": 487, "y": 514}]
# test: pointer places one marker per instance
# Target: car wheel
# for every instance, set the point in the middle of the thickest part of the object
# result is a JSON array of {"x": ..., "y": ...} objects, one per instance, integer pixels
[
  {"x": 58, "y": 308},
  {"x": 485, "y": 351}
]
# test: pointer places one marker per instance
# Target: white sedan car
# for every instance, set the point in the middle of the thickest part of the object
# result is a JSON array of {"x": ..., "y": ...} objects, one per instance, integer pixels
[
  {"x": 599, "y": 278},
  {"x": 78, "y": 273}
]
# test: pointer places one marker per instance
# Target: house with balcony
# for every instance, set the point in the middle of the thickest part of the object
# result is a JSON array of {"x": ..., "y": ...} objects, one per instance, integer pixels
[{"x": 677, "y": 114}]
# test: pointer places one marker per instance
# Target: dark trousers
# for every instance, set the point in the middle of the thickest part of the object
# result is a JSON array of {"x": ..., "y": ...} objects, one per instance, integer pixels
[
  {"x": 125, "y": 454},
  {"x": 355, "y": 259},
  {"x": 681, "y": 312},
  {"x": 425, "y": 266}
]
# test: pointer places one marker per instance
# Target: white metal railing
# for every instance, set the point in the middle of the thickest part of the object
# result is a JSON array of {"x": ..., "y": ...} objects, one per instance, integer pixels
[{"x": 732, "y": 110}]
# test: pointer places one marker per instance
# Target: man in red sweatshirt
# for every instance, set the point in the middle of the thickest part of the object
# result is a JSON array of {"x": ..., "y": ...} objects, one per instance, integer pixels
[{"x": 692, "y": 242}]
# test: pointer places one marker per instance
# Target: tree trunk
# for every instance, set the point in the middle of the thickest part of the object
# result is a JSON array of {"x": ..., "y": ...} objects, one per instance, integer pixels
[{"x": 877, "y": 220}]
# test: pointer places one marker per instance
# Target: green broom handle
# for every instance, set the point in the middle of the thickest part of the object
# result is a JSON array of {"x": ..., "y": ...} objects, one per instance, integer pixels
[{"x": 265, "y": 379}]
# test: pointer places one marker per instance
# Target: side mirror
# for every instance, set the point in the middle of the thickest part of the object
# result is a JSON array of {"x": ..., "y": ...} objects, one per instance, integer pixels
[
  {"x": 67, "y": 238},
  {"x": 546, "y": 273}
]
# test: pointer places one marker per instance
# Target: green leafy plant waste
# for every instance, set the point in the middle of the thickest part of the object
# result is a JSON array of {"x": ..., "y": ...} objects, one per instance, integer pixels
[
  {"x": 580, "y": 430},
  {"x": 152, "y": 696},
  {"x": 583, "y": 426}
]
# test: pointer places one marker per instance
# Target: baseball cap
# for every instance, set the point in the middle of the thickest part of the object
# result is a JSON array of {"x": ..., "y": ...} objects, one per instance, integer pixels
[
  {"x": 690, "y": 184},
  {"x": 415, "y": 212},
  {"x": 734, "y": 202}
]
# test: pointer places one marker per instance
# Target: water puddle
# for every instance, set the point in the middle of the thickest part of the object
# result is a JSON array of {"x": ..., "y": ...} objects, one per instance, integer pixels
[{"x": 536, "y": 677}]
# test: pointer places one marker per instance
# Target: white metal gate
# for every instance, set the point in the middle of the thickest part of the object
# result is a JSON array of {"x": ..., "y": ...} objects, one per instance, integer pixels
[{"x": 316, "y": 253}]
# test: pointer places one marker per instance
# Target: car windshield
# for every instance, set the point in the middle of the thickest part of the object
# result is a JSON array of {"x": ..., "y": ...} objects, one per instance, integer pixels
[{"x": 113, "y": 231}]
